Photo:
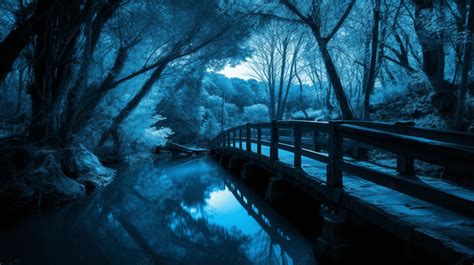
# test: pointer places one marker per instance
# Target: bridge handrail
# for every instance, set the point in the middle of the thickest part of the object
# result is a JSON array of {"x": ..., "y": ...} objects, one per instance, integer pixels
[
  {"x": 408, "y": 128},
  {"x": 400, "y": 139}
]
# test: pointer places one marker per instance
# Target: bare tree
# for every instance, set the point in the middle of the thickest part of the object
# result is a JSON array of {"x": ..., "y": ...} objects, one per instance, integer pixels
[
  {"x": 313, "y": 21},
  {"x": 370, "y": 81},
  {"x": 277, "y": 52}
]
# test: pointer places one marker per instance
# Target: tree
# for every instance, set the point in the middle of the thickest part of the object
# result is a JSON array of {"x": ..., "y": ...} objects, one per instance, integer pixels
[
  {"x": 210, "y": 27},
  {"x": 370, "y": 81},
  {"x": 430, "y": 28},
  {"x": 274, "y": 62},
  {"x": 466, "y": 67},
  {"x": 313, "y": 21},
  {"x": 18, "y": 38}
]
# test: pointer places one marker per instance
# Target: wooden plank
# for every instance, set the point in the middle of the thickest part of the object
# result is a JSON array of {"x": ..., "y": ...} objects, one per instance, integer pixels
[
  {"x": 432, "y": 134},
  {"x": 263, "y": 125},
  {"x": 439, "y": 153},
  {"x": 286, "y": 147},
  {"x": 321, "y": 157},
  {"x": 305, "y": 125},
  {"x": 410, "y": 187}
]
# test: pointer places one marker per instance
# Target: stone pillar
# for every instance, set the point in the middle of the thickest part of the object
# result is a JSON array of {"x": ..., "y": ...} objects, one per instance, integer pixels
[{"x": 333, "y": 245}]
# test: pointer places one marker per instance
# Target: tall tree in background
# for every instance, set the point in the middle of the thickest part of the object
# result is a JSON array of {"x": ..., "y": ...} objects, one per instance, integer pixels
[
  {"x": 18, "y": 38},
  {"x": 370, "y": 81},
  {"x": 313, "y": 21},
  {"x": 466, "y": 67},
  {"x": 210, "y": 27},
  {"x": 430, "y": 28},
  {"x": 275, "y": 62}
]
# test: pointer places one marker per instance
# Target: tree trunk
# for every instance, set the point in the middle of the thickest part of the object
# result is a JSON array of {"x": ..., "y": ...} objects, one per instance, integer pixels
[
  {"x": 335, "y": 81},
  {"x": 16, "y": 40},
  {"x": 466, "y": 65},
  {"x": 93, "y": 29},
  {"x": 86, "y": 108},
  {"x": 279, "y": 113},
  {"x": 369, "y": 85},
  {"x": 53, "y": 60},
  {"x": 432, "y": 45},
  {"x": 132, "y": 104},
  {"x": 313, "y": 21}
]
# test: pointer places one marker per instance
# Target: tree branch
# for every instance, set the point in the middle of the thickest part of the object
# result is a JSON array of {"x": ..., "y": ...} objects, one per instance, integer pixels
[{"x": 340, "y": 22}]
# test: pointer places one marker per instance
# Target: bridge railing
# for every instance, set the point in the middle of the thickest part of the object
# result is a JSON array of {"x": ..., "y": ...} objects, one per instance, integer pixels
[{"x": 309, "y": 139}]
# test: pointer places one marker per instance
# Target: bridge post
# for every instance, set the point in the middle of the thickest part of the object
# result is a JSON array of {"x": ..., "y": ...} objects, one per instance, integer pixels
[
  {"x": 240, "y": 138},
  {"x": 274, "y": 141},
  {"x": 259, "y": 140},
  {"x": 315, "y": 140},
  {"x": 405, "y": 165},
  {"x": 333, "y": 244},
  {"x": 233, "y": 138},
  {"x": 335, "y": 153},
  {"x": 228, "y": 138},
  {"x": 297, "y": 145},
  {"x": 248, "y": 135}
]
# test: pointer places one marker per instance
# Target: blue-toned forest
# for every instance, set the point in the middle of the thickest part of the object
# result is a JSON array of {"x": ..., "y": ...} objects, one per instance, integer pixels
[{"x": 236, "y": 132}]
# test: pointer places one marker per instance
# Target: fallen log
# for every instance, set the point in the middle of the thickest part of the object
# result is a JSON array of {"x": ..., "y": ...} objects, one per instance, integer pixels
[{"x": 180, "y": 149}]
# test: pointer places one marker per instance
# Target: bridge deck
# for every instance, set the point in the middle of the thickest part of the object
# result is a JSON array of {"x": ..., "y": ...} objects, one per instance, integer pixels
[{"x": 418, "y": 222}]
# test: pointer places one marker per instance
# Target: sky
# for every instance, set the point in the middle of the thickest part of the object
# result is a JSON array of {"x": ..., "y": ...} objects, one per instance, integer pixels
[{"x": 241, "y": 71}]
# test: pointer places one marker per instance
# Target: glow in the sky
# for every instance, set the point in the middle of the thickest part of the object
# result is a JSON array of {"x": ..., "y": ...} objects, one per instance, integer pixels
[{"x": 241, "y": 71}]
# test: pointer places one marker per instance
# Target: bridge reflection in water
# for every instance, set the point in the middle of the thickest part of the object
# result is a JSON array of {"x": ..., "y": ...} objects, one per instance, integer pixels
[
  {"x": 279, "y": 231},
  {"x": 175, "y": 212}
]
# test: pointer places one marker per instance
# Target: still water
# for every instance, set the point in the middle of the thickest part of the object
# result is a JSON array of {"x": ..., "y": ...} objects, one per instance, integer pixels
[{"x": 175, "y": 212}]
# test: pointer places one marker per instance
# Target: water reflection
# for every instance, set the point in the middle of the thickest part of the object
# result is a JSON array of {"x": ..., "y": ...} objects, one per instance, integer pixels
[{"x": 178, "y": 212}]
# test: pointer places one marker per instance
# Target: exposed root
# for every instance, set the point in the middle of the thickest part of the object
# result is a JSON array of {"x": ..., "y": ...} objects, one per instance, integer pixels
[{"x": 44, "y": 177}]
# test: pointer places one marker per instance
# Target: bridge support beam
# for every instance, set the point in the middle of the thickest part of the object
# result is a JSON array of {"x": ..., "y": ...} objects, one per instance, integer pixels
[
  {"x": 216, "y": 155},
  {"x": 236, "y": 165},
  {"x": 224, "y": 160},
  {"x": 277, "y": 190},
  {"x": 296, "y": 205},
  {"x": 255, "y": 177},
  {"x": 332, "y": 246}
]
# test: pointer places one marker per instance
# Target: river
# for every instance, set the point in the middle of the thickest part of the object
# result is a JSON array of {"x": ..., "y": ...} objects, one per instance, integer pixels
[{"x": 185, "y": 211}]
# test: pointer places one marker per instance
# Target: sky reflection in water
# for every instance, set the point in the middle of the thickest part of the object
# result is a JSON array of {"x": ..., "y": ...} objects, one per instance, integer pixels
[{"x": 178, "y": 212}]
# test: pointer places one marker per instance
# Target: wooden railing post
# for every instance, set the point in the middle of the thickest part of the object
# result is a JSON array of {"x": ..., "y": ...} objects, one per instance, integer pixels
[
  {"x": 335, "y": 153},
  {"x": 259, "y": 140},
  {"x": 228, "y": 138},
  {"x": 273, "y": 141},
  {"x": 315, "y": 141},
  {"x": 297, "y": 145},
  {"x": 233, "y": 138},
  {"x": 240, "y": 138},
  {"x": 248, "y": 135},
  {"x": 405, "y": 165}
]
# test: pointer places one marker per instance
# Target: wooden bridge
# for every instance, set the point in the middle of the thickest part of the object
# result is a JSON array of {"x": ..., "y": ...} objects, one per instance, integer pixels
[{"x": 379, "y": 174}]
